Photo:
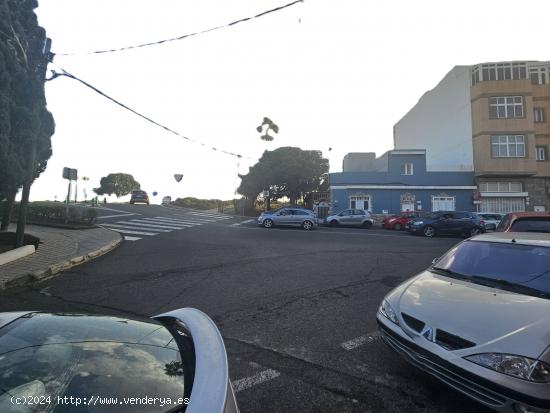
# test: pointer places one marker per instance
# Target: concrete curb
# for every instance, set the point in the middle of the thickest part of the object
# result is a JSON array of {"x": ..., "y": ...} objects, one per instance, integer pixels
[
  {"x": 55, "y": 269},
  {"x": 16, "y": 253}
]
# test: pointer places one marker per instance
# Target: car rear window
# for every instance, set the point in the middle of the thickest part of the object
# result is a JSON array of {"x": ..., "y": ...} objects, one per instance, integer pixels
[
  {"x": 522, "y": 265},
  {"x": 541, "y": 224}
]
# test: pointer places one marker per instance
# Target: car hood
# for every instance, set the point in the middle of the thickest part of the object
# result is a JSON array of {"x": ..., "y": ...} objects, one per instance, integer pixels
[{"x": 494, "y": 319}]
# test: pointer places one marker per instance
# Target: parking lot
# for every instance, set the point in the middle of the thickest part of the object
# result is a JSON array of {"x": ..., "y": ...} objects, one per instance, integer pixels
[{"x": 296, "y": 309}]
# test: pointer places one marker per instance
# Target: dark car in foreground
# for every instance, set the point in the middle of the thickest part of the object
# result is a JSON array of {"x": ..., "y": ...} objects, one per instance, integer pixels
[
  {"x": 289, "y": 217},
  {"x": 139, "y": 196},
  {"x": 52, "y": 362},
  {"x": 479, "y": 320},
  {"x": 525, "y": 222},
  {"x": 461, "y": 223}
]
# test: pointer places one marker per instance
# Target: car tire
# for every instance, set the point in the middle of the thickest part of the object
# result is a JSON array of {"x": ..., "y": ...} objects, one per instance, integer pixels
[
  {"x": 397, "y": 227},
  {"x": 268, "y": 223},
  {"x": 367, "y": 225},
  {"x": 429, "y": 231},
  {"x": 334, "y": 223},
  {"x": 474, "y": 231},
  {"x": 307, "y": 225}
]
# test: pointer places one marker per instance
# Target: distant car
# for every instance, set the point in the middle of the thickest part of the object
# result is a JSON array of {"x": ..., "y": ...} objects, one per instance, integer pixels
[
  {"x": 479, "y": 320},
  {"x": 490, "y": 219},
  {"x": 176, "y": 362},
  {"x": 447, "y": 223},
  {"x": 350, "y": 217},
  {"x": 296, "y": 217},
  {"x": 399, "y": 222},
  {"x": 167, "y": 200},
  {"x": 139, "y": 196},
  {"x": 525, "y": 222}
]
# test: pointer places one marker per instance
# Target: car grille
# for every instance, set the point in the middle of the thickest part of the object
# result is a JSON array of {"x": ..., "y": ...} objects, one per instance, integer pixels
[
  {"x": 413, "y": 323},
  {"x": 452, "y": 379},
  {"x": 451, "y": 342}
]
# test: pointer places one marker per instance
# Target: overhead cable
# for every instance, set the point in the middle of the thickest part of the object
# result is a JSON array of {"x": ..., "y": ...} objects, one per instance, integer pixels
[
  {"x": 148, "y": 119},
  {"x": 120, "y": 49}
]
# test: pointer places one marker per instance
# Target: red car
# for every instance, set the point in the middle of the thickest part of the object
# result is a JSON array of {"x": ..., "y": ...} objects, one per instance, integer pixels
[
  {"x": 525, "y": 222},
  {"x": 399, "y": 222}
]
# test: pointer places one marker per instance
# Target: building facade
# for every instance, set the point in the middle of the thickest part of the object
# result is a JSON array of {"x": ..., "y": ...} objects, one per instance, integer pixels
[
  {"x": 399, "y": 181},
  {"x": 492, "y": 119}
]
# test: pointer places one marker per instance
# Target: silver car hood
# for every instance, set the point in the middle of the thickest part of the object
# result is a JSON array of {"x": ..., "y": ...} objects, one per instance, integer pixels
[{"x": 494, "y": 319}]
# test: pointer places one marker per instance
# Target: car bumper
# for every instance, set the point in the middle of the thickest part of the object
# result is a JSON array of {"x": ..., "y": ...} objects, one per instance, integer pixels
[
  {"x": 489, "y": 393},
  {"x": 415, "y": 229}
]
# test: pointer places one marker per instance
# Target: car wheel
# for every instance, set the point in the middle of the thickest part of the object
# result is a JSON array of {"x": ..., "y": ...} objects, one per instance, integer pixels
[
  {"x": 307, "y": 225},
  {"x": 367, "y": 224},
  {"x": 429, "y": 231},
  {"x": 334, "y": 223},
  {"x": 268, "y": 223},
  {"x": 397, "y": 227}
]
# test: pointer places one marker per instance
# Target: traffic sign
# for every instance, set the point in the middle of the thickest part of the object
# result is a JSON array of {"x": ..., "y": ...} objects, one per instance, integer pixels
[
  {"x": 70, "y": 174},
  {"x": 155, "y": 193},
  {"x": 178, "y": 177}
]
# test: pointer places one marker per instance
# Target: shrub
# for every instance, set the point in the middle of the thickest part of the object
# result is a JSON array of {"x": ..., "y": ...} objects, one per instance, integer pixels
[{"x": 54, "y": 213}]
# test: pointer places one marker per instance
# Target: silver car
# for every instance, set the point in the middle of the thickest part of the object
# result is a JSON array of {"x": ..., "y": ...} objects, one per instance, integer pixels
[
  {"x": 479, "y": 320},
  {"x": 490, "y": 220},
  {"x": 296, "y": 217},
  {"x": 352, "y": 217}
]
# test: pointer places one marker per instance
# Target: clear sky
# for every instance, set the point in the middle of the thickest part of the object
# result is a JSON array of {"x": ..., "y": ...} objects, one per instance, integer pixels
[{"x": 331, "y": 74}]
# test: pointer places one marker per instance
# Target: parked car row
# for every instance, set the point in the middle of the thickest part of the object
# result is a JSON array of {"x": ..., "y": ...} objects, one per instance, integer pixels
[{"x": 306, "y": 219}]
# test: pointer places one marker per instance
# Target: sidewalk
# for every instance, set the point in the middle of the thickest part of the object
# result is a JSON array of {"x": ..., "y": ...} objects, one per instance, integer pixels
[{"x": 59, "y": 250}]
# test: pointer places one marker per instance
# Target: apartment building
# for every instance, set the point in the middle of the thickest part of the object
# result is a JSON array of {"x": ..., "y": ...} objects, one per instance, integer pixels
[{"x": 492, "y": 119}]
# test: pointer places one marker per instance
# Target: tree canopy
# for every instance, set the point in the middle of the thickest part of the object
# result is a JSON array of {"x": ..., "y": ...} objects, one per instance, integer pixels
[
  {"x": 285, "y": 172},
  {"x": 118, "y": 183},
  {"x": 23, "y": 115}
]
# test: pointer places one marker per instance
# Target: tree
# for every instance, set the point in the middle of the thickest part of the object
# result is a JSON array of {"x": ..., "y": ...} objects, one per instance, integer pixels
[
  {"x": 118, "y": 184},
  {"x": 285, "y": 172},
  {"x": 25, "y": 124}
]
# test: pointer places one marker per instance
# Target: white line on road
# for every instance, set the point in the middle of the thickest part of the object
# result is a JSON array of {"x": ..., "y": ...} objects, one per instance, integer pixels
[
  {"x": 261, "y": 377},
  {"x": 187, "y": 218},
  {"x": 127, "y": 231},
  {"x": 129, "y": 238},
  {"x": 164, "y": 222},
  {"x": 360, "y": 341},
  {"x": 116, "y": 216},
  {"x": 134, "y": 227},
  {"x": 143, "y": 223}
]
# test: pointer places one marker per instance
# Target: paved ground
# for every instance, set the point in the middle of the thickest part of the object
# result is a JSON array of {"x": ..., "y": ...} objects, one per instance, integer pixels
[
  {"x": 58, "y": 249},
  {"x": 296, "y": 308}
]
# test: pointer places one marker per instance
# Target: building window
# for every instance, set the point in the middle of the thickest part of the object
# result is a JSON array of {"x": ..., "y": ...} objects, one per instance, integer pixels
[
  {"x": 360, "y": 202},
  {"x": 499, "y": 186},
  {"x": 407, "y": 169},
  {"x": 506, "y": 107},
  {"x": 508, "y": 146},
  {"x": 539, "y": 115},
  {"x": 443, "y": 203},
  {"x": 541, "y": 153}
]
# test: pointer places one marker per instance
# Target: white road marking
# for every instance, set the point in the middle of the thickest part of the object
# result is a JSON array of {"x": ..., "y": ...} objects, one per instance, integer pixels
[
  {"x": 187, "y": 218},
  {"x": 261, "y": 377},
  {"x": 236, "y": 224},
  {"x": 248, "y": 221},
  {"x": 143, "y": 223},
  {"x": 163, "y": 222},
  {"x": 116, "y": 216},
  {"x": 129, "y": 238},
  {"x": 134, "y": 227},
  {"x": 360, "y": 341},
  {"x": 127, "y": 231}
]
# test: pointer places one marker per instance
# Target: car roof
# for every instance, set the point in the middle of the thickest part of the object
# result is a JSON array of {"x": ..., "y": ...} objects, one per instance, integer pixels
[
  {"x": 522, "y": 238},
  {"x": 529, "y": 214}
]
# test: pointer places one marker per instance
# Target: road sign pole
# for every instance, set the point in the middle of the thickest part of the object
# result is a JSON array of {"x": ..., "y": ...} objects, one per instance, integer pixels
[{"x": 67, "y": 200}]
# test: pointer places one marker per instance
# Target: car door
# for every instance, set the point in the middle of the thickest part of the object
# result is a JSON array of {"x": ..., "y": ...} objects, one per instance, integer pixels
[
  {"x": 460, "y": 223},
  {"x": 444, "y": 224},
  {"x": 282, "y": 217},
  {"x": 346, "y": 217}
]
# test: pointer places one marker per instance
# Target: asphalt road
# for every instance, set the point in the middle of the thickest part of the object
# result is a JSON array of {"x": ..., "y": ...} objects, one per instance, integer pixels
[{"x": 296, "y": 308}]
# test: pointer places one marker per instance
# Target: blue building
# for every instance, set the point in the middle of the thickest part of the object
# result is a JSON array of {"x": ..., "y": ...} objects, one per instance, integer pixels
[{"x": 398, "y": 181}]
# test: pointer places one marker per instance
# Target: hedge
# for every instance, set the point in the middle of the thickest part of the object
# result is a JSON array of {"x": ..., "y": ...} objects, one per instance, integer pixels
[{"x": 54, "y": 213}]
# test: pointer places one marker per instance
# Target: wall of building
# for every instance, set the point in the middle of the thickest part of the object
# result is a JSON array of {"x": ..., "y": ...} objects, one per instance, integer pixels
[{"x": 441, "y": 122}]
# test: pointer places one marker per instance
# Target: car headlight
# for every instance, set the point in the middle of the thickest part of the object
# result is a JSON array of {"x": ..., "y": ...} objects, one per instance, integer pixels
[
  {"x": 517, "y": 366},
  {"x": 387, "y": 311}
]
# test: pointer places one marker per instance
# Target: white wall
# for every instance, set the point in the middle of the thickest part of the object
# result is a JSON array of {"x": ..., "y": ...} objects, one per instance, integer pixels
[{"x": 441, "y": 123}]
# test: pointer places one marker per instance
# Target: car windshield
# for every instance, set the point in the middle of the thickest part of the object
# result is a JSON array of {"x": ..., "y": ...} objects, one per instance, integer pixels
[
  {"x": 531, "y": 225},
  {"x": 510, "y": 266}
]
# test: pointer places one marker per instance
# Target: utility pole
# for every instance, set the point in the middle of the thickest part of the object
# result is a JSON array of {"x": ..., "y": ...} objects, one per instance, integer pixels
[{"x": 40, "y": 72}]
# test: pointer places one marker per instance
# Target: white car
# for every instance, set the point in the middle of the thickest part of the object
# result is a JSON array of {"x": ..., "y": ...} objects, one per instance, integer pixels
[
  {"x": 167, "y": 200},
  {"x": 479, "y": 320},
  {"x": 351, "y": 217},
  {"x": 490, "y": 219}
]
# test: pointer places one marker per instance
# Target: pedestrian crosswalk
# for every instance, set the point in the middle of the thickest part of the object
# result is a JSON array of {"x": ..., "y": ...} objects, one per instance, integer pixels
[{"x": 134, "y": 229}]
